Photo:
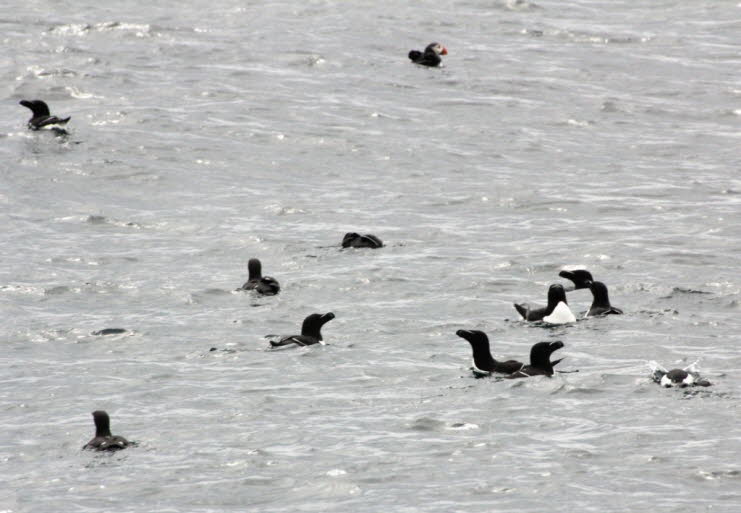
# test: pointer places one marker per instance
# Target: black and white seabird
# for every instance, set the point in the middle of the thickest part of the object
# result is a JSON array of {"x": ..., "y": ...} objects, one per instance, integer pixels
[
  {"x": 355, "y": 240},
  {"x": 431, "y": 55},
  {"x": 556, "y": 296},
  {"x": 264, "y": 285},
  {"x": 681, "y": 378},
  {"x": 41, "y": 117},
  {"x": 601, "y": 302},
  {"x": 311, "y": 331},
  {"x": 483, "y": 363},
  {"x": 540, "y": 361},
  {"x": 104, "y": 440}
]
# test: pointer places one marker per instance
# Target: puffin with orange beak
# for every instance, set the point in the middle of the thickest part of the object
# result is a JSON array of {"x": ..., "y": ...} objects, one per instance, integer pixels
[{"x": 431, "y": 55}]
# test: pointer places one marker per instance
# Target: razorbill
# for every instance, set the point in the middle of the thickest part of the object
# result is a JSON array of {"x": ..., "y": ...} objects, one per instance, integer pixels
[
  {"x": 601, "y": 303},
  {"x": 311, "y": 331},
  {"x": 483, "y": 363},
  {"x": 41, "y": 118},
  {"x": 556, "y": 295},
  {"x": 355, "y": 240},
  {"x": 540, "y": 361},
  {"x": 103, "y": 439},
  {"x": 264, "y": 285}
]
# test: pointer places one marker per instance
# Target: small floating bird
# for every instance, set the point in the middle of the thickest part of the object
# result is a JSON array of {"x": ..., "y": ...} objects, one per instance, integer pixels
[
  {"x": 104, "y": 440},
  {"x": 540, "y": 361},
  {"x": 681, "y": 378},
  {"x": 431, "y": 55},
  {"x": 311, "y": 331},
  {"x": 265, "y": 285},
  {"x": 355, "y": 240},
  {"x": 108, "y": 331},
  {"x": 581, "y": 278},
  {"x": 483, "y": 363},
  {"x": 41, "y": 117},
  {"x": 601, "y": 303},
  {"x": 556, "y": 295}
]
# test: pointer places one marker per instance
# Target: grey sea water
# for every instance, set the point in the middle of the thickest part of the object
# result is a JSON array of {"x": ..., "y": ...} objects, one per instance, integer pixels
[{"x": 589, "y": 132}]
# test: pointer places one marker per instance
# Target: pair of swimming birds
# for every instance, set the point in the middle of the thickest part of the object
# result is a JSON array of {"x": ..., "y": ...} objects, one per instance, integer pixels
[
  {"x": 557, "y": 310},
  {"x": 484, "y": 363},
  {"x": 269, "y": 286}
]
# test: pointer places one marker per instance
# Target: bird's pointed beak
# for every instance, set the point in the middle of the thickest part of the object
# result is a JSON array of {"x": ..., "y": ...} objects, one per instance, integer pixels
[{"x": 444, "y": 52}]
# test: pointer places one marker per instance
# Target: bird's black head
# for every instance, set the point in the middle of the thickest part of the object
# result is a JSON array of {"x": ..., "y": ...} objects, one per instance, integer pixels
[
  {"x": 38, "y": 107},
  {"x": 556, "y": 294},
  {"x": 349, "y": 238},
  {"x": 436, "y": 48},
  {"x": 540, "y": 354},
  {"x": 599, "y": 292},
  {"x": 255, "y": 268},
  {"x": 482, "y": 358},
  {"x": 102, "y": 423},
  {"x": 475, "y": 337},
  {"x": 581, "y": 278},
  {"x": 312, "y": 325}
]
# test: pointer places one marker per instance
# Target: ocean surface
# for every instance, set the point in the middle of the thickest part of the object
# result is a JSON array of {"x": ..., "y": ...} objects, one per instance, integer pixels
[{"x": 593, "y": 133}]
